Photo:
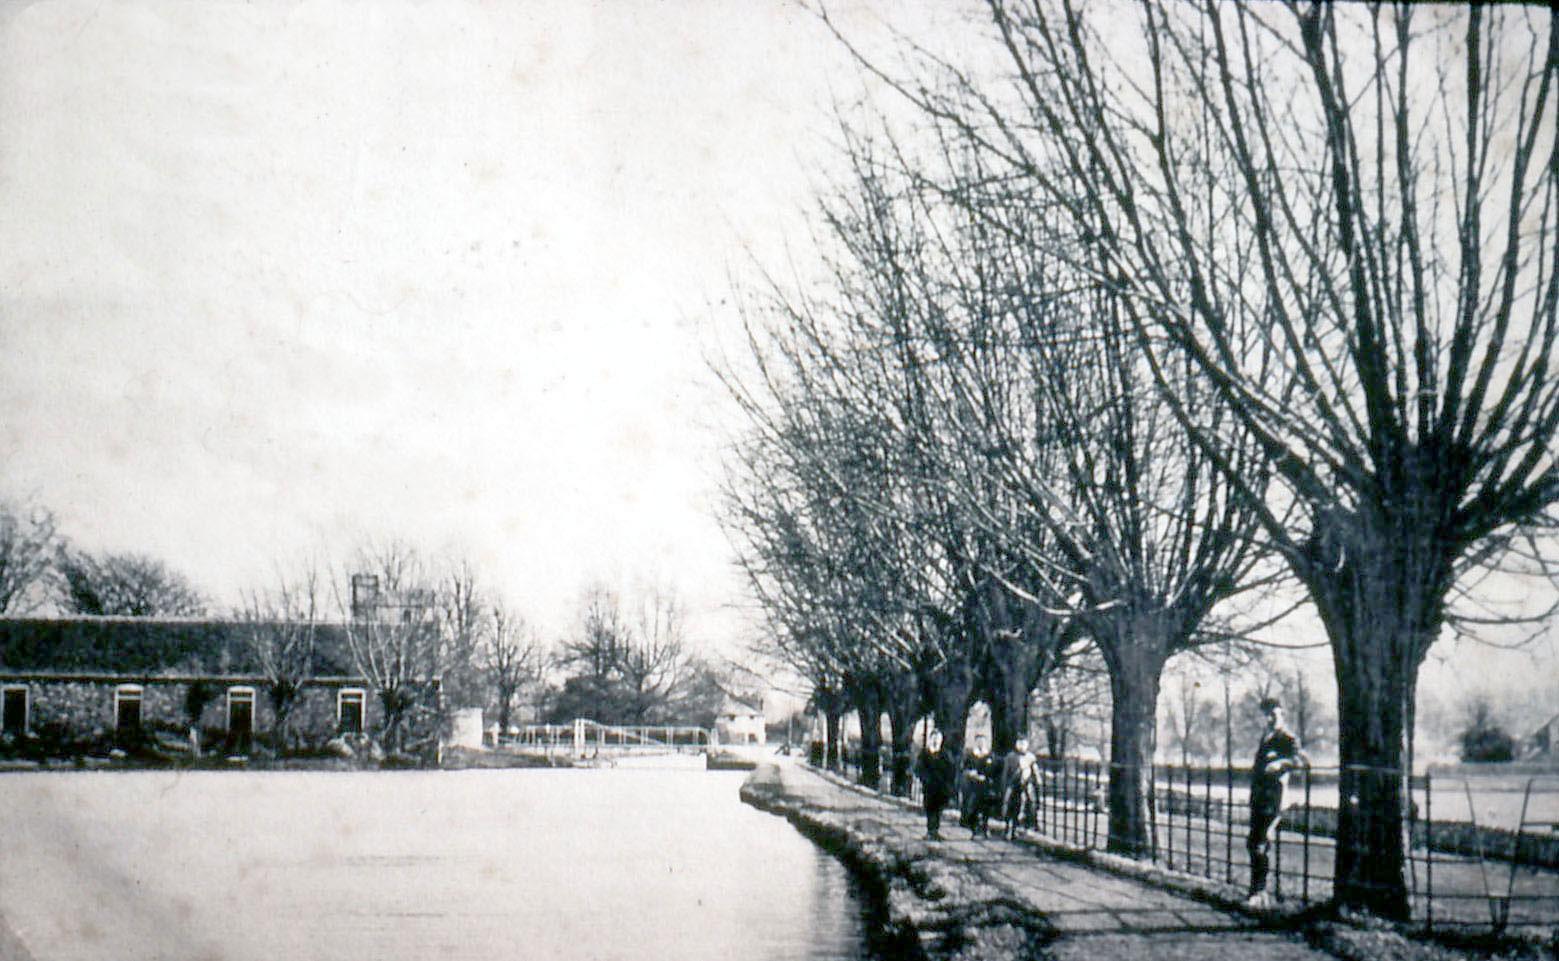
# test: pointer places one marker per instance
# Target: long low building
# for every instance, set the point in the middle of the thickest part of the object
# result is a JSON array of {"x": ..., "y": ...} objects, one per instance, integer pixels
[{"x": 79, "y": 680}]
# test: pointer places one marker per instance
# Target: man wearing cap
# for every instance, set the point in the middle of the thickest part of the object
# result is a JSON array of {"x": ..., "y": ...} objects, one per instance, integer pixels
[{"x": 1277, "y": 755}]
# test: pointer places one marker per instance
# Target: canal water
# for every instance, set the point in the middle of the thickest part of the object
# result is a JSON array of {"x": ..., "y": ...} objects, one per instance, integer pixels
[{"x": 526, "y": 864}]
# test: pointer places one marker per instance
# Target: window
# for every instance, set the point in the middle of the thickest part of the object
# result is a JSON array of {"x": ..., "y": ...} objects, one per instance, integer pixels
[
  {"x": 127, "y": 707},
  {"x": 349, "y": 710},
  {"x": 13, "y": 718}
]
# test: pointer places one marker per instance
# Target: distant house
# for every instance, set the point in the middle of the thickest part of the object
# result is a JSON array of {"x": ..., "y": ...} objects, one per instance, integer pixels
[
  {"x": 739, "y": 723},
  {"x": 1543, "y": 743},
  {"x": 82, "y": 680}
]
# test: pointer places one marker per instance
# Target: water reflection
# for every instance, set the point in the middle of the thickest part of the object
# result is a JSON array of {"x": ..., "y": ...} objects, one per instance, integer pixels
[{"x": 585, "y": 864}]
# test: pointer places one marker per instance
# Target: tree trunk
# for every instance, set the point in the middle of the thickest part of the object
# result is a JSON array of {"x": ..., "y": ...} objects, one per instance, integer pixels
[
  {"x": 1012, "y": 668},
  {"x": 1373, "y": 797},
  {"x": 833, "y": 726},
  {"x": 1135, "y": 649},
  {"x": 950, "y": 691},
  {"x": 1382, "y": 606},
  {"x": 903, "y": 710},
  {"x": 504, "y": 697},
  {"x": 868, "y": 698}
]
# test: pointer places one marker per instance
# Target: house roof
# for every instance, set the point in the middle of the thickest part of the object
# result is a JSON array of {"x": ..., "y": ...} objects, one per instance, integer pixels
[
  {"x": 145, "y": 645},
  {"x": 732, "y": 706}
]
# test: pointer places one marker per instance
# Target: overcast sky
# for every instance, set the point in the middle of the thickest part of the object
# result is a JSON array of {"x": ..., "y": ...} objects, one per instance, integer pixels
[
  {"x": 283, "y": 277},
  {"x": 277, "y": 277}
]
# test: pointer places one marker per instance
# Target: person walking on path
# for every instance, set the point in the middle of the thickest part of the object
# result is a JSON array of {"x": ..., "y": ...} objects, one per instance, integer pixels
[
  {"x": 978, "y": 785},
  {"x": 1276, "y": 755},
  {"x": 1017, "y": 778},
  {"x": 937, "y": 776}
]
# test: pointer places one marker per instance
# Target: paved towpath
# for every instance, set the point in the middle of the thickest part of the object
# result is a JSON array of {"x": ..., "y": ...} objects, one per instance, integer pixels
[{"x": 1067, "y": 910}]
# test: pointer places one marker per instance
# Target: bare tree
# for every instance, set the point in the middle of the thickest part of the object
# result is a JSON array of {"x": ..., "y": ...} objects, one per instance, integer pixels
[
  {"x": 28, "y": 542},
  {"x": 511, "y": 658},
  {"x": 125, "y": 585},
  {"x": 281, "y": 629},
  {"x": 392, "y": 632},
  {"x": 464, "y": 621},
  {"x": 627, "y": 668},
  {"x": 1072, "y": 701},
  {"x": 1189, "y": 718}
]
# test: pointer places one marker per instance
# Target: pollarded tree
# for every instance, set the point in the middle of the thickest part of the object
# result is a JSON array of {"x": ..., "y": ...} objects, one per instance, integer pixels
[
  {"x": 1054, "y": 467},
  {"x": 1344, "y": 218}
]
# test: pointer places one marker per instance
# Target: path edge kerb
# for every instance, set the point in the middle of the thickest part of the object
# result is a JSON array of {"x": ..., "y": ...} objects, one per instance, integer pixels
[
  {"x": 878, "y": 871},
  {"x": 1223, "y": 896},
  {"x": 918, "y": 916}
]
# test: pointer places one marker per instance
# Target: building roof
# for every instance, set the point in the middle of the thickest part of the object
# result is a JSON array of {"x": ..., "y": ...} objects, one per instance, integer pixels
[
  {"x": 149, "y": 645},
  {"x": 732, "y": 706}
]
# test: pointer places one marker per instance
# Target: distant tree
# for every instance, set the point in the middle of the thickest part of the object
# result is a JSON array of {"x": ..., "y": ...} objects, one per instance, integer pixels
[
  {"x": 622, "y": 669},
  {"x": 1191, "y": 720},
  {"x": 511, "y": 657},
  {"x": 28, "y": 543},
  {"x": 1073, "y": 699},
  {"x": 126, "y": 585},
  {"x": 465, "y": 621},
  {"x": 281, "y": 627},
  {"x": 393, "y": 631},
  {"x": 1484, "y": 738}
]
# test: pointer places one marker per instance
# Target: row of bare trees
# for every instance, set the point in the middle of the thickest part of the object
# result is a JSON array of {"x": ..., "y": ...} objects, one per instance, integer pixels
[{"x": 1148, "y": 312}]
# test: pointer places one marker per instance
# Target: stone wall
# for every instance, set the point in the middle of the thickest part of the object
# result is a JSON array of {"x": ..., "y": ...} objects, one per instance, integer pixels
[{"x": 85, "y": 707}]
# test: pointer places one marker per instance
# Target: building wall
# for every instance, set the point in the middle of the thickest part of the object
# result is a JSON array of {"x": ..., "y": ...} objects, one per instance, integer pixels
[
  {"x": 741, "y": 729},
  {"x": 85, "y": 707}
]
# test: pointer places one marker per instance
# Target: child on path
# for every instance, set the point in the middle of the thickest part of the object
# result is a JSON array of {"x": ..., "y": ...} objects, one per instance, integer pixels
[{"x": 1017, "y": 778}]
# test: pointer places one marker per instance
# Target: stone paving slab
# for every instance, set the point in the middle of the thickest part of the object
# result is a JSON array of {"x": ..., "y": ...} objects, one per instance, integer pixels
[{"x": 1069, "y": 909}]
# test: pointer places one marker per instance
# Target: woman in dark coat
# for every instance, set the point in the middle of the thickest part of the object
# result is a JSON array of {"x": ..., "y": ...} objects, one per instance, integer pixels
[{"x": 938, "y": 778}]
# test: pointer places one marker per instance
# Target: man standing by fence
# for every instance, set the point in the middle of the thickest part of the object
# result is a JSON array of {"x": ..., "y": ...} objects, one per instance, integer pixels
[{"x": 1276, "y": 756}]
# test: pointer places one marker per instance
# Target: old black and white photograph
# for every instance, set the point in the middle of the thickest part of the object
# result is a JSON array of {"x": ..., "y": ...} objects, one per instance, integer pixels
[{"x": 779, "y": 480}]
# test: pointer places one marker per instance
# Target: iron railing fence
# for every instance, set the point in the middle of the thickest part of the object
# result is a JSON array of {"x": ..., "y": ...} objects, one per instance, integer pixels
[{"x": 1484, "y": 852}]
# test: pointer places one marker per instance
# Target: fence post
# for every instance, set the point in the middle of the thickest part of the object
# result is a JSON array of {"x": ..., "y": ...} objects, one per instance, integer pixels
[
  {"x": 1207, "y": 818},
  {"x": 1188, "y": 843},
  {"x": 1304, "y": 884},
  {"x": 1428, "y": 851},
  {"x": 1228, "y": 821}
]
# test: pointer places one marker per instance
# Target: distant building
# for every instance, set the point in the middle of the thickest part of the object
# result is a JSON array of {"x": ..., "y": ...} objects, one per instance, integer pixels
[
  {"x": 1543, "y": 743},
  {"x": 739, "y": 723},
  {"x": 372, "y": 602},
  {"x": 85, "y": 680}
]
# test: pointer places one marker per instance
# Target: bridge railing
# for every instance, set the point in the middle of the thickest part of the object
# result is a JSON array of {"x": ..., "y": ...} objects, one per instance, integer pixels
[{"x": 584, "y": 737}]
